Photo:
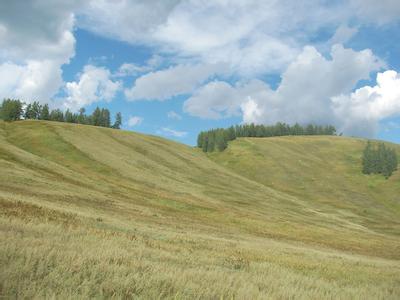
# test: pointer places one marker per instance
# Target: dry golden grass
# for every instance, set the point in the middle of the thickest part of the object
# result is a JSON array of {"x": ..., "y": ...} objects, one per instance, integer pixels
[{"x": 91, "y": 212}]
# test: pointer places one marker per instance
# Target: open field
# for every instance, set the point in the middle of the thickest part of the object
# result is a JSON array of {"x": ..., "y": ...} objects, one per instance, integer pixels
[{"x": 96, "y": 212}]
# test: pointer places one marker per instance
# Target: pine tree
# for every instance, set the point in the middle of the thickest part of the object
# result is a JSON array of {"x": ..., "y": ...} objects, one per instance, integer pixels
[
  {"x": 367, "y": 159},
  {"x": 252, "y": 130},
  {"x": 96, "y": 117},
  {"x": 82, "y": 116},
  {"x": 36, "y": 110},
  {"x": 211, "y": 142},
  {"x": 200, "y": 138},
  {"x": 105, "y": 118},
  {"x": 44, "y": 114},
  {"x": 118, "y": 121},
  {"x": 220, "y": 141},
  {"x": 204, "y": 143},
  {"x": 69, "y": 118},
  {"x": 28, "y": 112},
  {"x": 57, "y": 115},
  {"x": 231, "y": 134}
]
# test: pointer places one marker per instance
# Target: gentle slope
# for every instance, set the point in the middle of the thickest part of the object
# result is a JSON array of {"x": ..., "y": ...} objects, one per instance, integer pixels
[{"x": 89, "y": 212}]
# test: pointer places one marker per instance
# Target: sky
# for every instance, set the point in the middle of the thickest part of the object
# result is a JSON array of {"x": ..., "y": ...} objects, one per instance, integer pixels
[{"x": 177, "y": 67}]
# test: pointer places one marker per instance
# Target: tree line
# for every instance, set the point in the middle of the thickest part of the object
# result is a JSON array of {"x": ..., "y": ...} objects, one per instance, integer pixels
[
  {"x": 14, "y": 110},
  {"x": 217, "y": 139},
  {"x": 379, "y": 159}
]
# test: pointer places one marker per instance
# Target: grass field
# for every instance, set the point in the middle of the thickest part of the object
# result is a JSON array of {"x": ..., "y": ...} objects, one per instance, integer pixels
[{"x": 96, "y": 212}]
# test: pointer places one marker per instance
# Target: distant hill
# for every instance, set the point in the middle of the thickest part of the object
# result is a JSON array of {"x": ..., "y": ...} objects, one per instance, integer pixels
[{"x": 96, "y": 212}]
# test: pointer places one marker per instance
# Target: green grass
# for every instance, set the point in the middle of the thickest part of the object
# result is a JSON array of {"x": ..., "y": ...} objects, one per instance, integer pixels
[{"x": 95, "y": 212}]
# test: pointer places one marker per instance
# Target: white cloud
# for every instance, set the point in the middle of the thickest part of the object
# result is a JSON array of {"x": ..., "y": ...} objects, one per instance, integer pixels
[
  {"x": 164, "y": 84},
  {"x": 134, "y": 121},
  {"x": 342, "y": 35},
  {"x": 251, "y": 36},
  {"x": 131, "y": 21},
  {"x": 244, "y": 39},
  {"x": 171, "y": 132},
  {"x": 309, "y": 83},
  {"x": 131, "y": 69},
  {"x": 250, "y": 110},
  {"x": 33, "y": 47},
  {"x": 93, "y": 85},
  {"x": 361, "y": 111},
  {"x": 219, "y": 99},
  {"x": 304, "y": 94},
  {"x": 380, "y": 12},
  {"x": 174, "y": 115}
]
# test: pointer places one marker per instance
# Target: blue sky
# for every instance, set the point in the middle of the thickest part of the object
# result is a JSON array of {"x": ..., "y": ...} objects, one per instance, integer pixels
[{"x": 174, "y": 68}]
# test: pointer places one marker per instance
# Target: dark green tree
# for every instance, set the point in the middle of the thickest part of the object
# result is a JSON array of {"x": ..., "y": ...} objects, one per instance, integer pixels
[
  {"x": 211, "y": 141},
  {"x": 28, "y": 112},
  {"x": 220, "y": 141},
  {"x": 105, "y": 118},
  {"x": 44, "y": 114},
  {"x": 96, "y": 117},
  {"x": 82, "y": 116},
  {"x": 118, "y": 121},
  {"x": 68, "y": 116},
  {"x": 368, "y": 159},
  {"x": 36, "y": 110},
  {"x": 57, "y": 115},
  {"x": 11, "y": 110}
]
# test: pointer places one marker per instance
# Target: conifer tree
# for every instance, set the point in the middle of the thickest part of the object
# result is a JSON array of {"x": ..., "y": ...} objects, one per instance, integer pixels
[
  {"x": 367, "y": 159},
  {"x": 118, "y": 121},
  {"x": 28, "y": 112},
  {"x": 82, "y": 116},
  {"x": 69, "y": 118},
  {"x": 211, "y": 142},
  {"x": 220, "y": 141},
  {"x": 96, "y": 117},
  {"x": 44, "y": 114},
  {"x": 36, "y": 110},
  {"x": 379, "y": 160},
  {"x": 105, "y": 118},
  {"x": 204, "y": 143},
  {"x": 57, "y": 115}
]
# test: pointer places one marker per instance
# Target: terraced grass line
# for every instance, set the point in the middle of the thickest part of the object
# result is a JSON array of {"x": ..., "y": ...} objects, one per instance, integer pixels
[{"x": 88, "y": 212}]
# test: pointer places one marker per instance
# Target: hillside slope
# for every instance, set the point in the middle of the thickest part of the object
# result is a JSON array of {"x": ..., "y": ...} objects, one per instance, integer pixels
[
  {"x": 324, "y": 171},
  {"x": 96, "y": 212}
]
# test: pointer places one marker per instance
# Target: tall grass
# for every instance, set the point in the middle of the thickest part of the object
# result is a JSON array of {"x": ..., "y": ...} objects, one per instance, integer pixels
[{"x": 95, "y": 213}]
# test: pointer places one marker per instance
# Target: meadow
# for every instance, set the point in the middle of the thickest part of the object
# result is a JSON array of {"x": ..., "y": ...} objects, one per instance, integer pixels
[{"x": 89, "y": 212}]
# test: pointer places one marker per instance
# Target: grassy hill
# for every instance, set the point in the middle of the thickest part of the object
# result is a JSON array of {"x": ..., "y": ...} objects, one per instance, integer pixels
[{"x": 95, "y": 212}]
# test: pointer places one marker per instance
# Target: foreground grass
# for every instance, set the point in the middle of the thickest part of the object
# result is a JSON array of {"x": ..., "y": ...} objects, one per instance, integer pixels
[
  {"x": 64, "y": 256},
  {"x": 91, "y": 212}
]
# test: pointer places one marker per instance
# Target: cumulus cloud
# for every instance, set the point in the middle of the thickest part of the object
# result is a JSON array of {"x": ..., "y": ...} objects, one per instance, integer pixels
[
  {"x": 252, "y": 36},
  {"x": 33, "y": 48},
  {"x": 304, "y": 95},
  {"x": 219, "y": 99},
  {"x": 171, "y": 132},
  {"x": 94, "y": 84},
  {"x": 311, "y": 80},
  {"x": 204, "y": 40},
  {"x": 131, "y": 21},
  {"x": 134, "y": 121},
  {"x": 361, "y": 111},
  {"x": 164, "y": 84},
  {"x": 33, "y": 80}
]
